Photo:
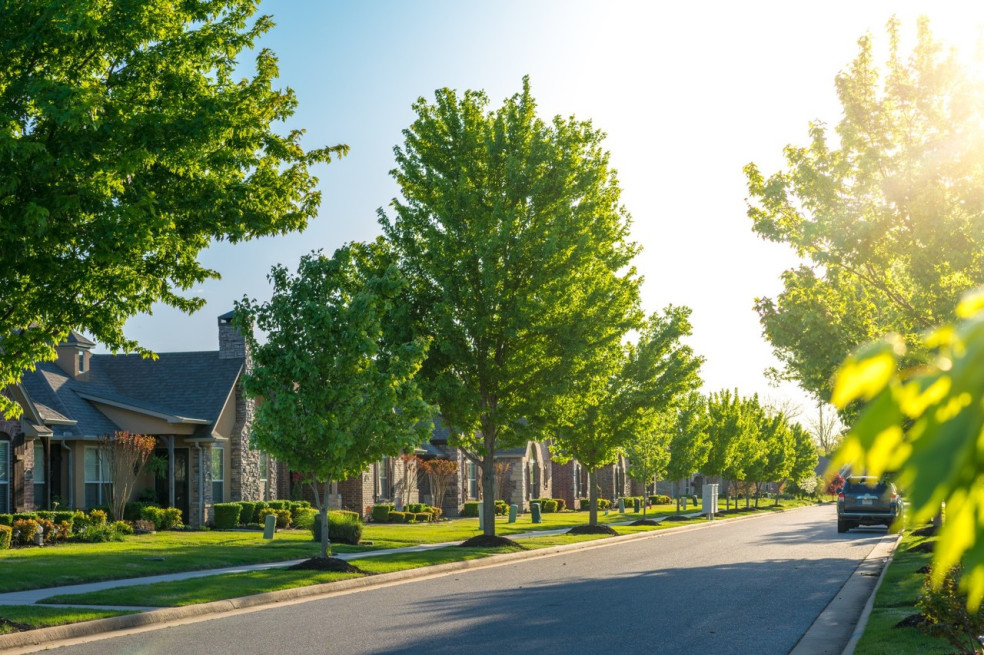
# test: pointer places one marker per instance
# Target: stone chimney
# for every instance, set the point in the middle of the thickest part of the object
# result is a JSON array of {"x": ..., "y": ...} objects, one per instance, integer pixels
[{"x": 232, "y": 344}]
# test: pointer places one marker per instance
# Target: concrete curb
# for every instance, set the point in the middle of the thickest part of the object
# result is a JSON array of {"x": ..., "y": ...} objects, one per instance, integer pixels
[
  {"x": 204, "y": 611},
  {"x": 866, "y": 612},
  {"x": 839, "y": 622}
]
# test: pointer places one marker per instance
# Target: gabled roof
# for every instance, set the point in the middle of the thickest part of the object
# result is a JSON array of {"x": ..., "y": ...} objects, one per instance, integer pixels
[
  {"x": 190, "y": 388},
  {"x": 76, "y": 339}
]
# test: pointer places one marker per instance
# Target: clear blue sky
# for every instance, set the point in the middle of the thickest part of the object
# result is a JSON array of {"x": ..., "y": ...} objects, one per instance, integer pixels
[{"x": 688, "y": 93}]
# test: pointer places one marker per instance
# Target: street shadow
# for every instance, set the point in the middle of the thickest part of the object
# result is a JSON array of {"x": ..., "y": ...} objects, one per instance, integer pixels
[{"x": 762, "y": 607}]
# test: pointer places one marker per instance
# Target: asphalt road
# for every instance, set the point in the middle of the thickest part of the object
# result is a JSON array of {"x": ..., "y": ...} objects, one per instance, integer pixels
[{"x": 747, "y": 586}]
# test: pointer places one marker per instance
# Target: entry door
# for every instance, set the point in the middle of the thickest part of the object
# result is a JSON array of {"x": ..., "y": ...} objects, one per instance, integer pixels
[{"x": 182, "y": 458}]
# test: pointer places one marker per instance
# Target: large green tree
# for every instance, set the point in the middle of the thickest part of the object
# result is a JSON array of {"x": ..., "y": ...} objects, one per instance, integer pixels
[
  {"x": 131, "y": 138},
  {"x": 337, "y": 393},
  {"x": 516, "y": 247},
  {"x": 887, "y": 212},
  {"x": 649, "y": 452},
  {"x": 732, "y": 427},
  {"x": 644, "y": 380},
  {"x": 690, "y": 445}
]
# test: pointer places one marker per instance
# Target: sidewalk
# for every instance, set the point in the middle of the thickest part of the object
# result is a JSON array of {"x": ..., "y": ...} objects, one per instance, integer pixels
[{"x": 34, "y": 596}]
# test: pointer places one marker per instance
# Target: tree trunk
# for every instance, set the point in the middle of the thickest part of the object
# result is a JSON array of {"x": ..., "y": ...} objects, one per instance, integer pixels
[
  {"x": 488, "y": 488},
  {"x": 321, "y": 502},
  {"x": 592, "y": 499},
  {"x": 676, "y": 492}
]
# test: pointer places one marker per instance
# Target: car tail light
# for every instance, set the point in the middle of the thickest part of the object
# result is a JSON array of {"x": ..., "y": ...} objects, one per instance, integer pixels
[{"x": 840, "y": 496}]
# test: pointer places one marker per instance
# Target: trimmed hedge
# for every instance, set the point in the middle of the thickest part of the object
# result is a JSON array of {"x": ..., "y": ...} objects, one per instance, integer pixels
[
  {"x": 343, "y": 526},
  {"x": 660, "y": 499},
  {"x": 6, "y": 536},
  {"x": 278, "y": 504},
  {"x": 381, "y": 513},
  {"x": 227, "y": 515},
  {"x": 305, "y": 517},
  {"x": 282, "y": 515},
  {"x": 7, "y": 519},
  {"x": 470, "y": 509}
]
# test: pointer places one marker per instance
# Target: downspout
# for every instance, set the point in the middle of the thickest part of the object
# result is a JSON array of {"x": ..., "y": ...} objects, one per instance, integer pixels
[
  {"x": 201, "y": 486},
  {"x": 170, "y": 470}
]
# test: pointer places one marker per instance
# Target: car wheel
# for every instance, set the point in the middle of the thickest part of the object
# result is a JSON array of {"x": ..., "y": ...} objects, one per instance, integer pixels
[{"x": 842, "y": 526}]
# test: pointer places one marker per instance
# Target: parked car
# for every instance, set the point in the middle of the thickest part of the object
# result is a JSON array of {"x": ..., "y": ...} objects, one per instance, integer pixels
[{"x": 866, "y": 500}]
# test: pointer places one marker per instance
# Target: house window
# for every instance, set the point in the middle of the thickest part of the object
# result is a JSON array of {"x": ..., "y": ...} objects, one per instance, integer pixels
[
  {"x": 383, "y": 476},
  {"x": 472, "y": 480},
  {"x": 81, "y": 361},
  {"x": 97, "y": 480},
  {"x": 218, "y": 474},
  {"x": 39, "y": 479},
  {"x": 4, "y": 474},
  {"x": 264, "y": 476}
]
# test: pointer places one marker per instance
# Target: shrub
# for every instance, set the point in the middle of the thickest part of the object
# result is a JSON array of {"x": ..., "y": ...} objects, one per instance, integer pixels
[
  {"x": 171, "y": 519},
  {"x": 247, "y": 512},
  {"x": 226, "y": 515},
  {"x": 26, "y": 516},
  {"x": 381, "y": 513},
  {"x": 47, "y": 530},
  {"x": 278, "y": 504},
  {"x": 501, "y": 508},
  {"x": 343, "y": 526},
  {"x": 6, "y": 536},
  {"x": 584, "y": 504},
  {"x": 258, "y": 506},
  {"x": 304, "y": 517},
  {"x": 946, "y": 614},
  {"x": 97, "y": 517},
  {"x": 7, "y": 519},
  {"x": 561, "y": 504},
  {"x": 397, "y": 517},
  {"x": 131, "y": 511},
  {"x": 79, "y": 522},
  {"x": 660, "y": 499},
  {"x": 62, "y": 517},
  {"x": 435, "y": 512},
  {"x": 24, "y": 531},
  {"x": 470, "y": 509},
  {"x": 100, "y": 532},
  {"x": 421, "y": 517},
  {"x": 63, "y": 530},
  {"x": 45, "y": 514},
  {"x": 122, "y": 527},
  {"x": 282, "y": 516},
  {"x": 604, "y": 503},
  {"x": 549, "y": 505},
  {"x": 416, "y": 508},
  {"x": 154, "y": 514}
]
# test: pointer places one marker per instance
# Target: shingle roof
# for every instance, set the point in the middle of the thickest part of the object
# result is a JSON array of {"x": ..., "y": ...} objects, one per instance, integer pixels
[{"x": 193, "y": 385}]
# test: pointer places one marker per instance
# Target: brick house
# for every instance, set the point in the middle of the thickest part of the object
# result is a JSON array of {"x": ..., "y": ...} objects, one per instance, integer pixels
[{"x": 192, "y": 403}]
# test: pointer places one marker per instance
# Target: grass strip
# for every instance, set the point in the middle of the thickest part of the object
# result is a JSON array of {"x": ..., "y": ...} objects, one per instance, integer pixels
[
  {"x": 14, "y": 618},
  {"x": 896, "y": 600}
]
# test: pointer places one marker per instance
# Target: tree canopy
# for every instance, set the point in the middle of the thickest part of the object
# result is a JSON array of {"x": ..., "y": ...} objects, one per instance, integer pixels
[
  {"x": 337, "y": 394},
  {"x": 129, "y": 140},
  {"x": 644, "y": 381},
  {"x": 887, "y": 212},
  {"x": 511, "y": 234}
]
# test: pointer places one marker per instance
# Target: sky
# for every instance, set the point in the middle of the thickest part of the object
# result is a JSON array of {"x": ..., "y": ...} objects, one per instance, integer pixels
[{"x": 688, "y": 94}]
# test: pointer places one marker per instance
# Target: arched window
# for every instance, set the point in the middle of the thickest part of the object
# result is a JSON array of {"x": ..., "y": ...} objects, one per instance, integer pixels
[{"x": 4, "y": 473}]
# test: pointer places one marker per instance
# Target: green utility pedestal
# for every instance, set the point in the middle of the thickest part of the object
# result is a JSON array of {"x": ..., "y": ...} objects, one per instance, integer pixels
[
  {"x": 513, "y": 511},
  {"x": 535, "y": 512},
  {"x": 270, "y": 526}
]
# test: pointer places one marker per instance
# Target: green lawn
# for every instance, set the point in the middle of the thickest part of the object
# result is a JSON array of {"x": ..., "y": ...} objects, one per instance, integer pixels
[
  {"x": 32, "y": 617},
  {"x": 896, "y": 600}
]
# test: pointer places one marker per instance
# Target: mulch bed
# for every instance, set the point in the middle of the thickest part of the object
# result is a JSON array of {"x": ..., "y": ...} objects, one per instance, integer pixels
[
  {"x": 490, "y": 541},
  {"x": 592, "y": 529},
  {"x": 911, "y": 621},
  {"x": 676, "y": 517},
  {"x": 645, "y": 522},
  {"x": 330, "y": 564},
  {"x": 928, "y": 531},
  {"x": 18, "y": 627}
]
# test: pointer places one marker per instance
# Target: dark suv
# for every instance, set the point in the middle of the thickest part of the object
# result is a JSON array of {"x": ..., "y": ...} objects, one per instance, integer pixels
[{"x": 867, "y": 501}]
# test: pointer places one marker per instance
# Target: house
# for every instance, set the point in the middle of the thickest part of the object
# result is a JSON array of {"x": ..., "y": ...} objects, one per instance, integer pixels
[{"x": 192, "y": 403}]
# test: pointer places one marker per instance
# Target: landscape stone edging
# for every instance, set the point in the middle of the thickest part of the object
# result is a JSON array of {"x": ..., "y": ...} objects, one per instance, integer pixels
[{"x": 164, "y": 615}]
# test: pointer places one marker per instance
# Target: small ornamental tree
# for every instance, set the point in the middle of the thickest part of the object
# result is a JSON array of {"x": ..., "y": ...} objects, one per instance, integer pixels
[
  {"x": 649, "y": 452},
  {"x": 126, "y": 456},
  {"x": 834, "y": 485},
  {"x": 411, "y": 475},
  {"x": 690, "y": 444},
  {"x": 440, "y": 474},
  {"x": 337, "y": 394}
]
